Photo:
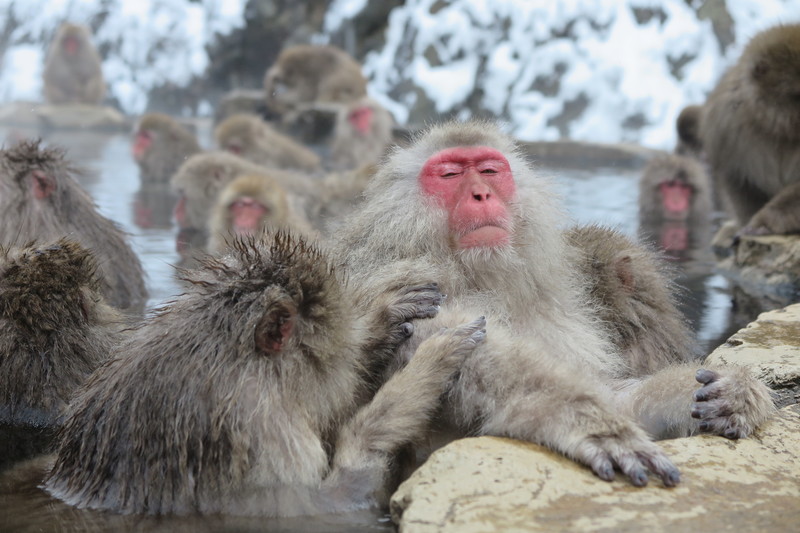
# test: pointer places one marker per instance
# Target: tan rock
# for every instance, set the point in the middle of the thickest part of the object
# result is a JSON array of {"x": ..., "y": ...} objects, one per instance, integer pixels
[
  {"x": 491, "y": 484},
  {"x": 770, "y": 346}
]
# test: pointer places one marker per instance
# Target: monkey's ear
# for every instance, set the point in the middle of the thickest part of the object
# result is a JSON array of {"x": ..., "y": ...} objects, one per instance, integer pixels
[
  {"x": 625, "y": 273},
  {"x": 42, "y": 184},
  {"x": 275, "y": 328}
]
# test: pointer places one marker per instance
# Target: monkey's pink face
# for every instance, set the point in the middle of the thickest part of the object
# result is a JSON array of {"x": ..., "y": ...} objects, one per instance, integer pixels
[
  {"x": 141, "y": 144},
  {"x": 474, "y": 185},
  {"x": 246, "y": 215},
  {"x": 676, "y": 199}
]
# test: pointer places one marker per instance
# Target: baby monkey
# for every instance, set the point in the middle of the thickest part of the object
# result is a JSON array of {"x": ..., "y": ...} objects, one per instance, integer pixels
[{"x": 242, "y": 395}]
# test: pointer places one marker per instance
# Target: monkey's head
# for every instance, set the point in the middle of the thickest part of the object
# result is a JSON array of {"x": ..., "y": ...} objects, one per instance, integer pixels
[
  {"x": 72, "y": 38},
  {"x": 47, "y": 287},
  {"x": 773, "y": 61},
  {"x": 251, "y": 202},
  {"x": 271, "y": 297},
  {"x": 466, "y": 178},
  {"x": 237, "y": 133},
  {"x": 154, "y": 130},
  {"x": 31, "y": 175}
]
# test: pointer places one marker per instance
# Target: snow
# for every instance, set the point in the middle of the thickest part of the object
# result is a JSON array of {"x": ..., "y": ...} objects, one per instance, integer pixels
[{"x": 583, "y": 69}]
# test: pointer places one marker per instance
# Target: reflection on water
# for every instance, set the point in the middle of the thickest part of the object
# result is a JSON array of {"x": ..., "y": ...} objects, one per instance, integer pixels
[{"x": 598, "y": 195}]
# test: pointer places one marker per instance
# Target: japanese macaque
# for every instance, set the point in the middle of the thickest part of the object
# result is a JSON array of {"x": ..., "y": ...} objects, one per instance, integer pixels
[
  {"x": 675, "y": 203},
  {"x": 362, "y": 134},
  {"x": 55, "y": 329},
  {"x": 242, "y": 397},
  {"x": 634, "y": 299},
  {"x": 461, "y": 207},
  {"x": 40, "y": 200},
  {"x": 199, "y": 181},
  {"x": 249, "y": 205},
  {"x": 688, "y": 127},
  {"x": 750, "y": 130},
  {"x": 160, "y": 146},
  {"x": 308, "y": 74},
  {"x": 253, "y": 139},
  {"x": 72, "y": 70}
]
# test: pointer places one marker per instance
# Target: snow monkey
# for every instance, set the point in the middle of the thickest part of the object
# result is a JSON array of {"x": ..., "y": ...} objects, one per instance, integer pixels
[
  {"x": 55, "y": 329},
  {"x": 242, "y": 396},
  {"x": 41, "y": 200},
  {"x": 750, "y": 130},
  {"x": 361, "y": 135},
  {"x": 160, "y": 146},
  {"x": 460, "y": 206},
  {"x": 307, "y": 74},
  {"x": 72, "y": 70},
  {"x": 255, "y": 140},
  {"x": 249, "y": 205},
  {"x": 675, "y": 203}
]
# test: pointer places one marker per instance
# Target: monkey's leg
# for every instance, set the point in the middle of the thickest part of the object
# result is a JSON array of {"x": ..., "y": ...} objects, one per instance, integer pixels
[
  {"x": 729, "y": 401},
  {"x": 397, "y": 415}
]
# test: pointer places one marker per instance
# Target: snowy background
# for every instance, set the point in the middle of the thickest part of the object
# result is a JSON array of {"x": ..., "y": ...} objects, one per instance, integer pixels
[{"x": 594, "y": 70}]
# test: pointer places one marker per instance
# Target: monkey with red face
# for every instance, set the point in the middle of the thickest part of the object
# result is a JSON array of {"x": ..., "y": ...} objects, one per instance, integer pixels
[{"x": 461, "y": 206}]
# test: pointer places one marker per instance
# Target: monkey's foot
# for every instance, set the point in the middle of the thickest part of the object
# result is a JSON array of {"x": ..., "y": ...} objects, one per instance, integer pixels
[
  {"x": 633, "y": 454},
  {"x": 731, "y": 402}
]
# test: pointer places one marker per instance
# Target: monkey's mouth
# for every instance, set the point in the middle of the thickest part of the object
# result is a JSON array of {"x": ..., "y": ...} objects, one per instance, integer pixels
[{"x": 487, "y": 236}]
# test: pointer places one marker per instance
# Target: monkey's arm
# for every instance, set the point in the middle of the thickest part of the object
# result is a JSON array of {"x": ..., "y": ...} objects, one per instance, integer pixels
[
  {"x": 397, "y": 415},
  {"x": 514, "y": 391},
  {"x": 727, "y": 401},
  {"x": 781, "y": 215}
]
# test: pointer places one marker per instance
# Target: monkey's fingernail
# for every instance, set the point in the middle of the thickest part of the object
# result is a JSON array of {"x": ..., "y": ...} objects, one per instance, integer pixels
[
  {"x": 639, "y": 478},
  {"x": 671, "y": 478},
  {"x": 704, "y": 426},
  {"x": 705, "y": 376},
  {"x": 731, "y": 433},
  {"x": 695, "y": 413},
  {"x": 700, "y": 396},
  {"x": 407, "y": 328}
]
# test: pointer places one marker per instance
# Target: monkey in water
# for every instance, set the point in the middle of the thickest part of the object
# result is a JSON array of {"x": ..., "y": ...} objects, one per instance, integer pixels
[
  {"x": 72, "y": 70},
  {"x": 461, "y": 206},
  {"x": 361, "y": 135},
  {"x": 242, "y": 396},
  {"x": 675, "y": 203},
  {"x": 249, "y": 205},
  {"x": 750, "y": 131},
  {"x": 55, "y": 330},
  {"x": 41, "y": 200},
  {"x": 160, "y": 146}
]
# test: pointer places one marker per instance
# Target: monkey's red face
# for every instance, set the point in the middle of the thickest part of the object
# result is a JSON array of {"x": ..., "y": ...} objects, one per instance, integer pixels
[
  {"x": 246, "y": 215},
  {"x": 141, "y": 144},
  {"x": 474, "y": 185},
  {"x": 676, "y": 199},
  {"x": 41, "y": 184}
]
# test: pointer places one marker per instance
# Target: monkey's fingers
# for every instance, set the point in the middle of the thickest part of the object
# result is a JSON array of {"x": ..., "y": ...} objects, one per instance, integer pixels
[{"x": 706, "y": 376}]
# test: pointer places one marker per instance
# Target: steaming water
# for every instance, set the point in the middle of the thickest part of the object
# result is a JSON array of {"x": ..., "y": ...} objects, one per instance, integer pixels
[{"x": 598, "y": 195}]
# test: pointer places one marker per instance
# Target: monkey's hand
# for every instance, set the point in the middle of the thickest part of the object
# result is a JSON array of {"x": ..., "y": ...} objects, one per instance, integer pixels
[
  {"x": 731, "y": 402},
  {"x": 408, "y": 303},
  {"x": 443, "y": 352}
]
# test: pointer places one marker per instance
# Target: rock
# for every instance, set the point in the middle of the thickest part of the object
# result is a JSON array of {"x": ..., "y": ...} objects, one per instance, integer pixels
[
  {"x": 766, "y": 265},
  {"x": 64, "y": 116},
  {"x": 770, "y": 346},
  {"x": 495, "y": 484}
]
